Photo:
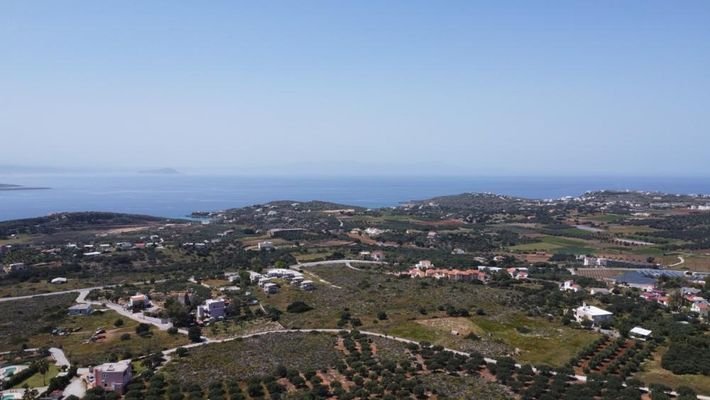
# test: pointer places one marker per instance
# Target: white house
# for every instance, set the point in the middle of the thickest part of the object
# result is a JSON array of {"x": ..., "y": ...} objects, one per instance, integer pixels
[
  {"x": 271, "y": 288},
  {"x": 307, "y": 285},
  {"x": 139, "y": 300},
  {"x": 265, "y": 245},
  {"x": 58, "y": 281},
  {"x": 596, "y": 291},
  {"x": 701, "y": 307},
  {"x": 424, "y": 264},
  {"x": 592, "y": 313},
  {"x": 570, "y": 286},
  {"x": 595, "y": 262},
  {"x": 212, "y": 309}
]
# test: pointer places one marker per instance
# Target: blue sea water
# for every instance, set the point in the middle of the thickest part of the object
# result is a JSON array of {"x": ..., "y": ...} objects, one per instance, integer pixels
[{"x": 179, "y": 195}]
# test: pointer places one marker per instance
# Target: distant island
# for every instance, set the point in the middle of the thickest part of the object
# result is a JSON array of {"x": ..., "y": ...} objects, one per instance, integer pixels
[
  {"x": 160, "y": 171},
  {"x": 4, "y": 186}
]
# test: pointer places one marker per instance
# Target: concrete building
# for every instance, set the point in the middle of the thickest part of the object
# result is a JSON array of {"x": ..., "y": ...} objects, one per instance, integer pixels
[
  {"x": 594, "y": 262},
  {"x": 271, "y": 288},
  {"x": 570, "y": 286},
  {"x": 592, "y": 313},
  {"x": 80, "y": 309},
  {"x": 138, "y": 301},
  {"x": 265, "y": 245},
  {"x": 211, "y": 309},
  {"x": 113, "y": 376},
  {"x": 640, "y": 333}
]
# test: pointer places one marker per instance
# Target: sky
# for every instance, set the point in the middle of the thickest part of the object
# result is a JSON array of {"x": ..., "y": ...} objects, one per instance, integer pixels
[{"x": 417, "y": 87}]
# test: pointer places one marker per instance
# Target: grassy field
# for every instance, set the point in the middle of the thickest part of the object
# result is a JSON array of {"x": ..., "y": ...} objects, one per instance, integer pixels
[
  {"x": 32, "y": 288},
  {"x": 414, "y": 310},
  {"x": 306, "y": 257},
  {"x": 82, "y": 352},
  {"x": 365, "y": 293},
  {"x": 22, "y": 319},
  {"x": 536, "y": 341},
  {"x": 652, "y": 372},
  {"x": 252, "y": 357},
  {"x": 226, "y": 329},
  {"x": 37, "y": 380},
  {"x": 555, "y": 244}
]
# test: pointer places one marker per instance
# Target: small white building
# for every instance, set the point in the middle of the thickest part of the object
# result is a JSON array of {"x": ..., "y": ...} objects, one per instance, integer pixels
[
  {"x": 570, "y": 286},
  {"x": 264, "y": 281},
  {"x": 596, "y": 291},
  {"x": 640, "y": 333},
  {"x": 80, "y": 309},
  {"x": 424, "y": 264},
  {"x": 592, "y": 313},
  {"x": 307, "y": 285},
  {"x": 271, "y": 288},
  {"x": 265, "y": 245},
  {"x": 594, "y": 262},
  {"x": 138, "y": 301},
  {"x": 284, "y": 273},
  {"x": 58, "y": 280},
  {"x": 211, "y": 309}
]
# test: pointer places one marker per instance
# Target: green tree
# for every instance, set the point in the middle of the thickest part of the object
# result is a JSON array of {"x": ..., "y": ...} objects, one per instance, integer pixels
[
  {"x": 42, "y": 366},
  {"x": 194, "y": 334}
]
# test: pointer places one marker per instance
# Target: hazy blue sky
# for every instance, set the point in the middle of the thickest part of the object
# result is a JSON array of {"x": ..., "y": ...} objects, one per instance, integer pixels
[{"x": 498, "y": 87}]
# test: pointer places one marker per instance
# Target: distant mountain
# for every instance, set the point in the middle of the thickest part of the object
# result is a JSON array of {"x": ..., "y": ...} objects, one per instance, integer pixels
[
  {"x": 5, "y": 186},
  {"x": 23, "y": 169},
  {"x": 160, "y": 171}
]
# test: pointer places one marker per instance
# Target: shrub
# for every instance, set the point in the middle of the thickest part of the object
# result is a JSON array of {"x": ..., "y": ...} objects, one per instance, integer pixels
[{"x": 298, "y": 307}]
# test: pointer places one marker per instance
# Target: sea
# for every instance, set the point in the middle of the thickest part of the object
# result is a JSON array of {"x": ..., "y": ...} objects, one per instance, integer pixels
[{"x": 177, "y": 196}]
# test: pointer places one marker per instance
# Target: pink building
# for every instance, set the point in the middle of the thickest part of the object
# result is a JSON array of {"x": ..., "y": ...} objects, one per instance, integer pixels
[{"x": 113, "y": 376}]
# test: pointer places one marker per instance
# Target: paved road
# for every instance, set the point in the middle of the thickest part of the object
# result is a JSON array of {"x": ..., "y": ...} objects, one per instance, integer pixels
[
  {"x": 333, "y": 262},
  {"x": 681, "y": 261},
  {"x": 59, "y": 357},
  {"x": 76, "y": 387},
  {"x": 3, "y": 299},
  {"x": 85, "y": 291}
]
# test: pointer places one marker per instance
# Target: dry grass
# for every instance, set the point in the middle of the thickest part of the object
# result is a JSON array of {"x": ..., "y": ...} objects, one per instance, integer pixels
[{"x": 653, "y": 372}]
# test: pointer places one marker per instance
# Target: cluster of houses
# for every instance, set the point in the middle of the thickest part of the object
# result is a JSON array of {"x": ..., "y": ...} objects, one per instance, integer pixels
[
  {"x": 698, "y": 304},
  {"x": 92, "y": 250},
  {"x": 266, "y": 281},
  {"x": 598, "y": 316},
  {"x": 426, "y": 269}
]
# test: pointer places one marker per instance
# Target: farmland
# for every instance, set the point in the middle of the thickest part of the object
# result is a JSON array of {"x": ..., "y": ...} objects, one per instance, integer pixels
[
  {"x": 257, "y": 356},
  {"x": 348, "y": 365}
]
